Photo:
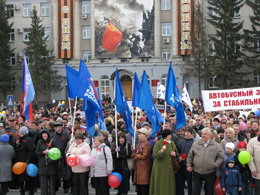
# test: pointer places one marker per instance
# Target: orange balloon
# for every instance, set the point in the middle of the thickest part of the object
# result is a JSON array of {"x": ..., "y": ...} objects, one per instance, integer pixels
[{"x": 19, "y": 168}]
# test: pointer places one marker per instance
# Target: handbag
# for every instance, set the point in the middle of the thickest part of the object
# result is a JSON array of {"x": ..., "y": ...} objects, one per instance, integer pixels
[
  {"x": 130, "y": 161},
  {"x": 48, "y": 158},
  {"x": 176, "y": 164}
]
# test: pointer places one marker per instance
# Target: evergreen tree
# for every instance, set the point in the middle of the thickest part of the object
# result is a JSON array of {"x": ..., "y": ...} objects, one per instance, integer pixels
[
  {"x": 228, "y": 58},
  {"x": 195, "y": 65},
  {"x": 40, "y": 59},
  {"x": 5, "y": 51},
  {"x": 252, "y": 37}
]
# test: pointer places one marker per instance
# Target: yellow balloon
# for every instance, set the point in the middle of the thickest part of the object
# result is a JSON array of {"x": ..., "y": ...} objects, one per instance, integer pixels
[
  {"x": 3, "y": 112},
  {"x": 63, "y": 102}
]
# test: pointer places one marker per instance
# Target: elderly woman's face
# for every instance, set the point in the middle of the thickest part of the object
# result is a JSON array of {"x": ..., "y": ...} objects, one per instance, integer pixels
[
  {"x": 79, "y": 141},
  {"x": 97, "y": 143},
  {"x": 44, "y": 136},
  {"x": 229, "y": 134}
]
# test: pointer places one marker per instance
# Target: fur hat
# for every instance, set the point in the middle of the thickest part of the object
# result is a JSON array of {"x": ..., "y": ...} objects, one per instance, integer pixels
[{"x": 24, "y": 130}]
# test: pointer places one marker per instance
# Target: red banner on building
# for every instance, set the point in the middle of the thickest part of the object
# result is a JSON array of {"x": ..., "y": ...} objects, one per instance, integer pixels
[
  {"x": 112, "y": 37},
  {"x": 65, "y": 31},
  {"x": 185, "y": 19}
]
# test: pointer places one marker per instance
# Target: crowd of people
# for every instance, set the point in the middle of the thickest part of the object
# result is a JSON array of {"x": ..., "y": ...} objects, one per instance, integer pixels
[{"x": 205, "y": 150}]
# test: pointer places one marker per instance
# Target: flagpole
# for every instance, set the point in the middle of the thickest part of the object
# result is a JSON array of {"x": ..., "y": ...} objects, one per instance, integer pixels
[
  {"x": 164, "y": 113},
  {"x": 116, "y": 126},
  {"x": 70, "y": 107},
  {"x": 135, "y": 127},
  {"x": 74, "y": 115}
]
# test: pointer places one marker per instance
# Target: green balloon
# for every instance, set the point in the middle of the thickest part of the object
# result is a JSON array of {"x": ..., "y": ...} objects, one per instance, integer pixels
[
  {"x": 244, "y": 157},
  {"x": 54, "y": 154}
]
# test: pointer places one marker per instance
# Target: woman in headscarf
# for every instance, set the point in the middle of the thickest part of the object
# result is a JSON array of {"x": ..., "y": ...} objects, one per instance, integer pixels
[
  {"x": 142, "y": 163},
  {"x": 47, "y": 170}
]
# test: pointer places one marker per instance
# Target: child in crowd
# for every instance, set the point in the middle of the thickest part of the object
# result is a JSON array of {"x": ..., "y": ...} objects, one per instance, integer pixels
[
  {"x": 228, "y": 152},
  {"x": 247, "y": 179},
  {"x": 231, "y": 178}
]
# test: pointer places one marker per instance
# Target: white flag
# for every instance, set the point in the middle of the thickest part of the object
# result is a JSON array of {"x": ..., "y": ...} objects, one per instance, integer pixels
[
  {"x": 186, "y": 97},
  {"x": 160, "y": 91}
]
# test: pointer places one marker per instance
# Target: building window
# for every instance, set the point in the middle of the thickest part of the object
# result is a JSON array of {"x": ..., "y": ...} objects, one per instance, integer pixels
[
  {"x": 165, "y": 5},
  {"x": 166, "y": 29},
  {"x": 12, "y": 37},
  {"x": 166, "y": 55},
  {"x": 13, "y": 83},
  {"x": 27, "y": 10},
  {"x": 256, "y": 79},
  {"x": 213, "y": 82},
  {"x": 46, "y": 34},
  {"x": 86, "y": 56},
  {"x": 256, "y": 43},
  {"x": 10, "y": 10},
  {"x": 86, "y": 32},
  {"x": 26, "y": 32},
  {"x": 86, "y": 7},
  {"x": 212, "y": 49},
  {"x": 163, "y": 79},
  {"x": 237, "y": 46},
  {"x": 45, "y": 9},
  {"x": 104, "y": 86},
  {"x": 12, "y": 59}
]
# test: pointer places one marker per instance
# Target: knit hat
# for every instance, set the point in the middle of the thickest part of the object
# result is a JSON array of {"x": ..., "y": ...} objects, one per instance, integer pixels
[
  {"x": 4, "y": 138},
  {"x": 24, "y": 130},
  {"x": 230, "y": 145},
  {"x": 231, "y": 160},
  {"x": 241, "y": 145}
]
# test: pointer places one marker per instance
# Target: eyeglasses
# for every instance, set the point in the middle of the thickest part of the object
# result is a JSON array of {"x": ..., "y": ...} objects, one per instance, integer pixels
[{"x": 197, "y": 119}]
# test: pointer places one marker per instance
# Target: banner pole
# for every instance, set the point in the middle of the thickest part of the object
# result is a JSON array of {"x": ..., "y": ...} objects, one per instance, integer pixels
[{"x": 164, "y": 113}]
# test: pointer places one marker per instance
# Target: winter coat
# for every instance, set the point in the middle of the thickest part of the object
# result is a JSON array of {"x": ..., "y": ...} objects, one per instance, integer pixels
[
  {"x": 184, "y": 147},
  {"x": 163, "y": 176},
  {"x": 223, "y": 164},
  {"x": 253, "y": 148},
  {"x": 75, "y": 149},
  {"x": 205, "y": 160},
  {"x": 44, "y": 167},
  {"x": 231, "y": 177},
  {"x": 198, "y": 128},
  {"x": 25, "y": 153},
  {"x": 124, "y": 152},
  {"x": 142, "y": 163},
  {"x": 12, "y": 141},
  {"x": 226, "y": 140},
  {"x": 62, "y": 139},
  {"x": 101, "y": 168},
  {"x": 245, "y": 171},
  {"x": 7, "y": 154}
]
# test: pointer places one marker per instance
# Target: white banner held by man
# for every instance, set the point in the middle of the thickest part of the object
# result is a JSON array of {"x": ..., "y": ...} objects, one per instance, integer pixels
[
  {"x": 160, "y": 91},
  {"x": 244, "y": 98}
]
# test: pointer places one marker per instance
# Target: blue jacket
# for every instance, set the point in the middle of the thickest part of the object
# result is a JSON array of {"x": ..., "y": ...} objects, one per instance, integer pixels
[{"x": 231, "y": 177}]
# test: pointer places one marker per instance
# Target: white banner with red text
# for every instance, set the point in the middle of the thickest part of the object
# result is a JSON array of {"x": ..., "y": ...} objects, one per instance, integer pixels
[{"x": 244, "y": 98}]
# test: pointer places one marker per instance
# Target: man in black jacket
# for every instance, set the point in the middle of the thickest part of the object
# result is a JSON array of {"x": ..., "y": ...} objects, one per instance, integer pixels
[{"x": 62, "y": 138}]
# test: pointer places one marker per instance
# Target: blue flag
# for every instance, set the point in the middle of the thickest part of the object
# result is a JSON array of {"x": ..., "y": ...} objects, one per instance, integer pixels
[
  {"x": 28, "y": 90},
  {"x": 147, "y": 104},
  {"x": 173, "y": 97},
  {"x": 136, "y": 91},
  {"x": 159, "y": 116},
  {"x": 122, "y": 106},
  {"x": 86, "y": 90},
  {"x": 101, "y": 123},
  {"x": 72, "y": 78}
]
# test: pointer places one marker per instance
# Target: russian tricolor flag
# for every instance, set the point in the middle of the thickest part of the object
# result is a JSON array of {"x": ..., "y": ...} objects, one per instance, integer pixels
[
  {"x": 84, "y": 128},
  {"x": 27, "y": 91}
]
